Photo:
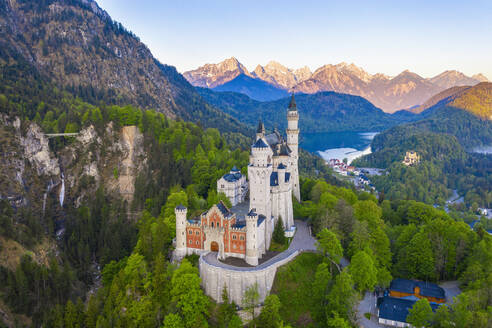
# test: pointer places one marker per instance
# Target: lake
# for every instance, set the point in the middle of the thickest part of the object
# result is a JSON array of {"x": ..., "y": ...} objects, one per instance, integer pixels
[
  {"x": 482, "y": 150},
  {"x": 346, "y": 144}
]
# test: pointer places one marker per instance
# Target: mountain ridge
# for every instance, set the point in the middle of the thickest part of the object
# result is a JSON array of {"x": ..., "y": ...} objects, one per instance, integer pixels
[{"x": 402, "y": 91}]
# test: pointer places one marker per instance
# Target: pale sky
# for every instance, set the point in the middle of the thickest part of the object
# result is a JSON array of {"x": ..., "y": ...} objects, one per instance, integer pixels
[{"x": 426, "y": 37}]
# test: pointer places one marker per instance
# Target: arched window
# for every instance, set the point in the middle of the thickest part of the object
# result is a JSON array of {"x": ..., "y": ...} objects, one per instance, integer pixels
[
  {"x": 190, "y": 232},
  {"x": 218, "y": 224},
  {"x": 234, "y": 237},
  {"x": 212, "y": 224}
]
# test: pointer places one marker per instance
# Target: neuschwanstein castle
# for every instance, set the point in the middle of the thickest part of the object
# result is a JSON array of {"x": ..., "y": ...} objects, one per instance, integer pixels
[{"x": 273, "y": 175}]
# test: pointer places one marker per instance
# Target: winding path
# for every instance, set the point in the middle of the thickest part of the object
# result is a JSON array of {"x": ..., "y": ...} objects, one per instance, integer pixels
[{"x": 303, "y": 241}]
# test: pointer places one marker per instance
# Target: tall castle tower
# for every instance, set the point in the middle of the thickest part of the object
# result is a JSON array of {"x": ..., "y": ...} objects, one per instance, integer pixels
[
  {"x": 251, "y": 235},
  {"x": 259, "y": 171},
  {"x": 293, "y": 143},
  {"x": 180, "y": 212}
]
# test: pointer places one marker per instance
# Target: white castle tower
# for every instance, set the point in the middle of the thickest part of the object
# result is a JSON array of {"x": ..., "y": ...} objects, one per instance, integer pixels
[
  {"x": 293, "y": 143},
  {"x": 259, "y": 171},
  {"x": 251, "y": 237},
  {"x": 180, "y": 212}
]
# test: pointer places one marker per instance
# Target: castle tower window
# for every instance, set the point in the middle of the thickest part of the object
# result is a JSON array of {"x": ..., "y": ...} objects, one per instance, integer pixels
[
  {"x": 212, "y": 224},
  {"x": 190, "y": 232},
  {"x": 242, "y": 238},
  {"x": 191, "y": 242},
  {"x": 197, "y": 242},
  {"x": 198, "y": 233},
  {"x": 234, "y": 237}
]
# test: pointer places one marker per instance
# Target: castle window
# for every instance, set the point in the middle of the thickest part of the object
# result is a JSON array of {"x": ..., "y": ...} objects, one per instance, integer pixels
[
  {"x": 234, "y": 246},
  {"x": 190, "y": 232},
  {"x": 218, "y": 224},
  {"x": 197, "y": 242},
  {"x": 241, "y": 247},
  {"x": 198, "y": 233},
  {"x": 234, "y": 237},
  {"x": 242, "y": 237},
  {"x": 190, "y": 242},
  {"x": 212, "y": 224}
]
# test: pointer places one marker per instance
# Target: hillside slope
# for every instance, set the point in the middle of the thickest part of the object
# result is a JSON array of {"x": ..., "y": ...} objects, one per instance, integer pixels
[
  {"x": 320, "y": 112},
  {"x": 252, "y": 87},
  {"x": 79, "y": 48}
]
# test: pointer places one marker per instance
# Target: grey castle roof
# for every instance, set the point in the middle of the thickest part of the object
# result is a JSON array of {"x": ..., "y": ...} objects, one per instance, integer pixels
[
  {"x": 396, "y": 309},
  {"x": 426, "y": 288},
  {"x": 252, "y": 212},
  {"x": 239, "y": 224},
  {"x": 180, "y": 207},
  {"x": 260, "y": 144},
  {"x": 278, "y": 144},
  {"x": 292, "y": 104},
  {"x": 232, "y": 177},
  {"x": 224, "y": 210},
  {"x": 261, "y": 218},
  {"x": 234, "y": 169}
]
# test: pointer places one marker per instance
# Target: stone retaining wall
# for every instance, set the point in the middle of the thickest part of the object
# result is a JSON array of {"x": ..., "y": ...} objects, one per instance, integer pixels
[{"x": 214, "y": 278}]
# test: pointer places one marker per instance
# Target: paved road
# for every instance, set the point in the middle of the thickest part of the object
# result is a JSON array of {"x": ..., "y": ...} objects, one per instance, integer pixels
[
  {"x": 368, "y": 305},
  {"x": 303, "y": 241}
]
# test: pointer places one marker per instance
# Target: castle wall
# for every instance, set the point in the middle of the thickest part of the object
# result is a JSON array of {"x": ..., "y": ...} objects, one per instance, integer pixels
[{"x": 237, "y": 280}]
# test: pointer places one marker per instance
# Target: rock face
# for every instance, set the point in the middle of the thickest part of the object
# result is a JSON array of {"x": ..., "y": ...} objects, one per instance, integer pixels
[
  {"x": 280, "y": 75},
  {"x": 405, "y": 90},
  {"x": 213, "y": 75},
  {"x": 131, "y": 143},
  {"x": 37, "y": 151}
]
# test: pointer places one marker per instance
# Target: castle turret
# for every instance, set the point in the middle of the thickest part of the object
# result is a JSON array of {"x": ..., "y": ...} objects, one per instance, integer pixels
[
  {"x": 180, "y": 212},
  {"x": 251, "y": 236},
  {"x": 293, "y": 143},
  {"x": 260, "y": 131}
]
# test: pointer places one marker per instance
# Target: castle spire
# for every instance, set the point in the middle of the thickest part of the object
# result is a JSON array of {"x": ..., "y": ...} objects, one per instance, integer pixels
[
  {"x": 292, "y": 104},
  {"x": 261, "y": 127}
]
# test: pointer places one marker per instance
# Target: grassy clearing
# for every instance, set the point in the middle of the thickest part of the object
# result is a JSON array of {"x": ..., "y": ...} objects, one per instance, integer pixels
[{"x": 293, "y": 285}]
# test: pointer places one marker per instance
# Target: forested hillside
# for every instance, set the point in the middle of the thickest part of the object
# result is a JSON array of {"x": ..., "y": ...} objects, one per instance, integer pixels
[
  {"x": 445, "y": 141},
  {"x": 320, "y": 112},
  {"x": 77, "y": 47}
]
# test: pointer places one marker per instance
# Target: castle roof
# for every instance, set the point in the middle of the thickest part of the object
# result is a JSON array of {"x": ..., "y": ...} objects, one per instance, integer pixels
[
  {"x": 180, "y": 207},
  {"x": 260, "y": 144},
  {"x": 234, "y": 169},
  {"x": 223, "y": 209},
  {"x": 232, "y": 177},
  {"x": 252, "y": 212},
  {"x": 261, "y": 218},
  {"x": 261, "y": 127},
  {"x": 292, "y": 104}
]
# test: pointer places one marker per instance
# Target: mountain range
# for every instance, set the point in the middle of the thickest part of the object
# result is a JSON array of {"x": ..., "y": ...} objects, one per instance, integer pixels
[{"x": 406, "y": 90}]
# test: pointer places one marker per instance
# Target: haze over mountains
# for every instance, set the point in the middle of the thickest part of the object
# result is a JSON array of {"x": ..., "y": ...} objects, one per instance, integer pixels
[{"x": 405, "y": 90}]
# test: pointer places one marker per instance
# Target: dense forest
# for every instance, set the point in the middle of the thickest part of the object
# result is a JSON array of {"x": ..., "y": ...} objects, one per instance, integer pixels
[
  {"x": 320, "y": 112},
  {"x": 445, "y": 166}
]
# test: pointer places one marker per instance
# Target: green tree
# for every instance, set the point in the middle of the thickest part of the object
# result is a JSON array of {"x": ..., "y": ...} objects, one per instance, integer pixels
[
  {"x": 363, "y": 271},
  {"x": 336, "y": 321},
  {"x": 420, "y": 315},
  {"x": 251, "y": 299},
  {"x": 342, "y": 298},
  {"x": 188, "y": 297},
  {"x": 270, "y": 314},
  {"x": 227, "y": 311},
  {"x": 278, "y": 232},
  {"x": 173, "y": 320},
  {"x": 330, "y": 246}
]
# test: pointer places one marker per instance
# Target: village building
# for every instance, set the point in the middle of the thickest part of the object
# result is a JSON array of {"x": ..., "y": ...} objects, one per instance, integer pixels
[
  {"x": 420, "y": 289},
  {"x": 234, "y": 186},
  {"x": 393, "y": 311},
  {"x": 411, "y": 158},
  {"x": 273, "y": 175}
]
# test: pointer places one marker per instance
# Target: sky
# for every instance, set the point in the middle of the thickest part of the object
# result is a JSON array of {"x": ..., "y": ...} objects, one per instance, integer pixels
[{"x": 426, "y": 37}]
